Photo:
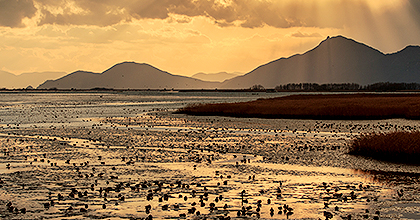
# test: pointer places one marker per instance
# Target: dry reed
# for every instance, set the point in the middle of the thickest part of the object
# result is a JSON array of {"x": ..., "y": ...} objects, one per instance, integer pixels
[
  {"x": 399, "y": 146},
  {"x": 342, "y": 106}
]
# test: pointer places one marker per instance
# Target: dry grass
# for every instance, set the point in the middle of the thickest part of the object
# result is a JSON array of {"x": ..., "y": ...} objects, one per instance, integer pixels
[
  {"x": 342, "y": 106},
  {"x": 398, "y": 146}
]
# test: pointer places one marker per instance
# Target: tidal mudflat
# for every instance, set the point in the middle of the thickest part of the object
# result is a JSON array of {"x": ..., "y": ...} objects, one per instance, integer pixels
[{"x": 119, "y": 156}]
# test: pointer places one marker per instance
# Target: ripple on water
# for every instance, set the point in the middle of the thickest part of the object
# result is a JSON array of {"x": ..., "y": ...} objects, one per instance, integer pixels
[{"x": 184, "y": 163}]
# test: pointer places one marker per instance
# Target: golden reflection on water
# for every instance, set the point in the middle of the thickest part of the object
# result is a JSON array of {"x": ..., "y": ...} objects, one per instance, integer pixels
[
  {"x": 167, "y": 149},
  {"x": 389, "y": 177}
]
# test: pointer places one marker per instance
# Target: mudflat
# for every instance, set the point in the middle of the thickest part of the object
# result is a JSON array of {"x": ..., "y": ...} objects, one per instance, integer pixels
[{"x": 108, "y": 155}]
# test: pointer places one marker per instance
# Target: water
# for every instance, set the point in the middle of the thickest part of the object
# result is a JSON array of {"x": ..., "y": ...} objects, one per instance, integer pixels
[
  {"x": 130, "y": 145},
  {"x": 41, "y": 108}
]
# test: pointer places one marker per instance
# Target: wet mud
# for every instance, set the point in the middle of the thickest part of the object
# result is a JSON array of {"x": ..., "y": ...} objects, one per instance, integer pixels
[{"x": 153, "y": 164}]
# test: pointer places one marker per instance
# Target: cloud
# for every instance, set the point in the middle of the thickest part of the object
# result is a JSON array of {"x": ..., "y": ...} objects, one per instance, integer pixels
[
  {"x": 82, "y": 12},
  {"x": 224, "y": 13},
  {"x": 244, "y": 13},
  {"x": 12, "y": 12},
  {"x": 300, "y": 34}
]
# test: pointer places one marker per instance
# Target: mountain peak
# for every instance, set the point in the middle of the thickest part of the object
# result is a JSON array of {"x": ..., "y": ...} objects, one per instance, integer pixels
[
  {"x": 131, "y": 66},
  {"x": 336, "y": 59},
  {"x": 341, "y": 42},
  {"x": 411, "y": 48},
  {"x": 338, "y": 38},
  {"x": 127, "y": 75},
  {"x": 410, "y": 53}
]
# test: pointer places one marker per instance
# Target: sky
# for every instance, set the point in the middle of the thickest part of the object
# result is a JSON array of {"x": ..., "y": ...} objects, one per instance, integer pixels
[{"x": 185, "y": 37}]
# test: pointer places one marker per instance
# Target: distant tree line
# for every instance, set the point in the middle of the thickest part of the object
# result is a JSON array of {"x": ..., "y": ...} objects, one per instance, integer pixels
[
  {"x": 376, "y": 87},
  {"x": 318, "y": 87},
  {"x": 387, "y": 86}
]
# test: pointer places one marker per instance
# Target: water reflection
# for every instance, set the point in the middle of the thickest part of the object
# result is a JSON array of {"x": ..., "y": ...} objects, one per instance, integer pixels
[
  {"x": 222, "y": 167},
  {"x": 390, "y": 177}
]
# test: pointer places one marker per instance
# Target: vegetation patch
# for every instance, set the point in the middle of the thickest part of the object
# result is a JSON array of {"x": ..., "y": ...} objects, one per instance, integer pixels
[
  {"x": 399, "y": 146},
  {"x": 316, "y": 106}
]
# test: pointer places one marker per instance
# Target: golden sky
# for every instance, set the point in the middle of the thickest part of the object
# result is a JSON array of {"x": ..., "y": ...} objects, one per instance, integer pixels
[{"x": 189, "y": 36}]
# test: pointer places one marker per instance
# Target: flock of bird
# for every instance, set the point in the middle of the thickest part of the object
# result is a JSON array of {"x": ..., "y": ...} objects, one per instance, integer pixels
[
  {"x": 190, "y": 198},
  {"x": 96, "y": 172}
]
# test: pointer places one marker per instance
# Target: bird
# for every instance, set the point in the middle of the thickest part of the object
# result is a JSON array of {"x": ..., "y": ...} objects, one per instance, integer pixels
[{"x": 328, "y": 215}]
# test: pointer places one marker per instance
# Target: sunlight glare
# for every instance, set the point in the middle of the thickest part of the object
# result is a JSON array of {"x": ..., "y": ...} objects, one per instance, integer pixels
[{"x": 385, "y": 4}]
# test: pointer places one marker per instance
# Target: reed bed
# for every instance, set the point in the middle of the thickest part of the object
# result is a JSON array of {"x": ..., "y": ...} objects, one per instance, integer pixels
[
  {"x": 315, "y": 106},
  {"x": 399, "y": 146}
]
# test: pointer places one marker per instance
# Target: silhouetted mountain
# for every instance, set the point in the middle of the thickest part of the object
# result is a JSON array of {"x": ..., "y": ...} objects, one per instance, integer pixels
[
  {"x": 215, "y": 77},
  {"x": 12, "y": 81},
  {"x": 127, "y": 75},
  {"x": 335, "y": 60}
]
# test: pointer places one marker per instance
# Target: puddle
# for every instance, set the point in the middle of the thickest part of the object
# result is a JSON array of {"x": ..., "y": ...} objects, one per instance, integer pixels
[
  {"x": 241, "y": 180},
  {"x": 109, "y": 156}
]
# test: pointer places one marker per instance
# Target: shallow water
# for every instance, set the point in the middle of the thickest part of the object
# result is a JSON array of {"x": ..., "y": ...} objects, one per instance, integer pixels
[
  {"x": 302, "y": 187},
  {"x": 130, "y": 145}
]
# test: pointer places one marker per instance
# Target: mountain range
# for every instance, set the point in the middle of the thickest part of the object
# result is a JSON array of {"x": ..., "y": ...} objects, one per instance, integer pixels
[
  {"x": 335, "y": 60},
  {"x": 127, "y": 75},
  {"x": 12, "y": 81},
  {"x": 215, "y": 77}
]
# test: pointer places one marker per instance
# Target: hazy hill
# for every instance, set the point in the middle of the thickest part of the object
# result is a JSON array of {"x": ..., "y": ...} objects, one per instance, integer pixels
[
  {"x": 215, "y": 77},
  {"x": 12, "y": 81},
  {"x": 336, "y": 60},
  {"x": 127, "y": 75}
]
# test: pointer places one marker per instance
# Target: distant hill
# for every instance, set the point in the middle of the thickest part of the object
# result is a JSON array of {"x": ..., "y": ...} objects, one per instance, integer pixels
[
  {"x": 127, "y": 75},
  {"x": 335, "y": 60},
  {"x": 12, "y": 81},
  {"x": 215, "y": 77}
]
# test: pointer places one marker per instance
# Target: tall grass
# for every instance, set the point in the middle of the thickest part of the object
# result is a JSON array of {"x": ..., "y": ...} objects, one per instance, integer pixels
[
  {"x": 343, "y": 106},
  {"x": 399, "y": 146}
]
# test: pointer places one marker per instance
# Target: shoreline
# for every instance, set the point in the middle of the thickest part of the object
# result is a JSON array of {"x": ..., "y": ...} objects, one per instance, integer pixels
[{"x": 215, "y": 90}]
